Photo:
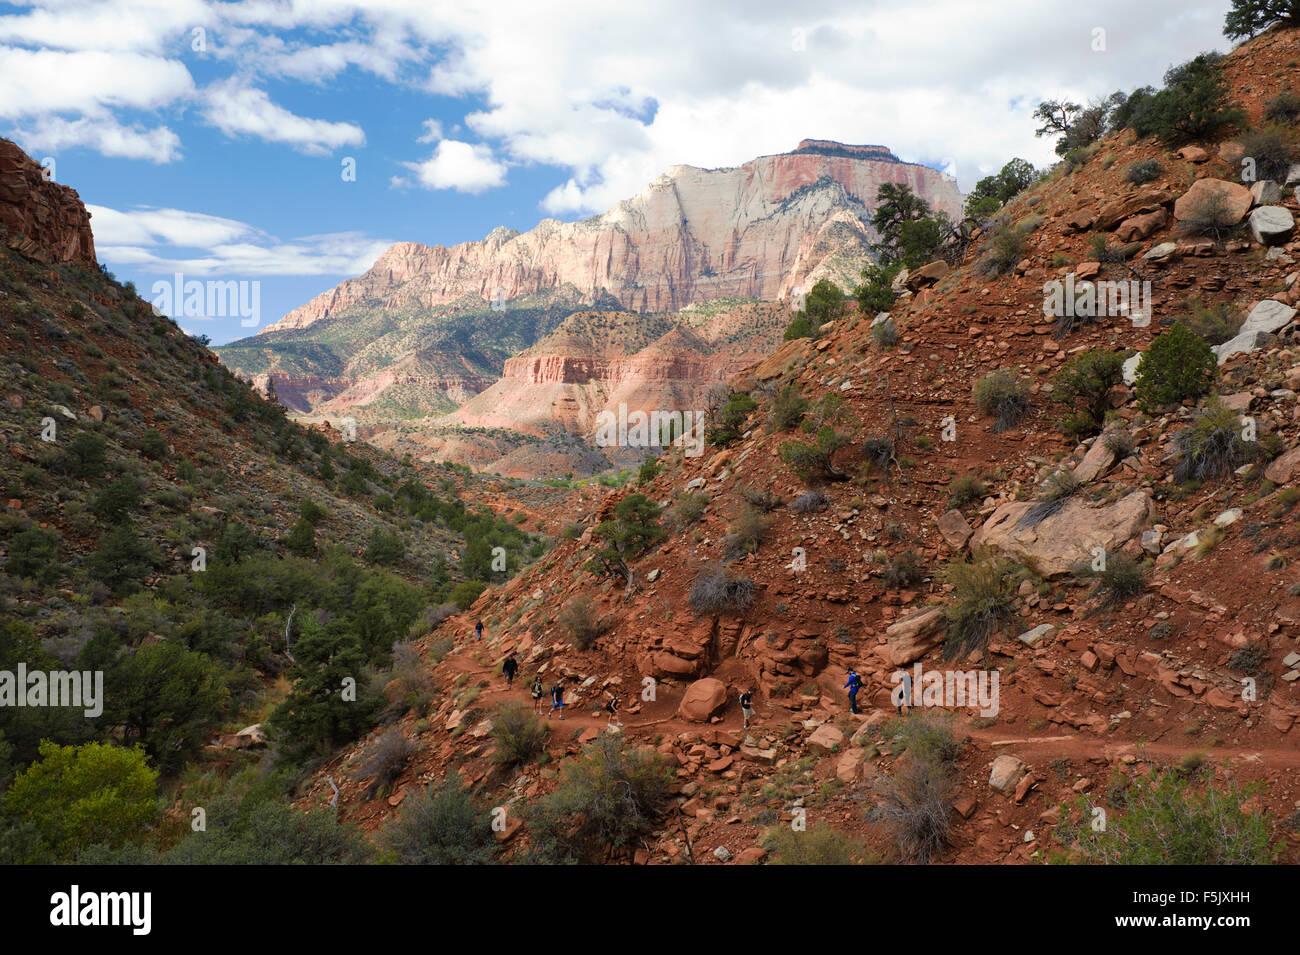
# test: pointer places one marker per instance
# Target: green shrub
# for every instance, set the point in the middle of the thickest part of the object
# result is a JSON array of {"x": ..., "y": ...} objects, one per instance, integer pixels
[
  {"x": 1084, "y": 386},
  {"x": 925, "y": 735},
  {"x": 885, "y": 333},
  {"x": 34, "y": 553},
  {"x": 605, "y": 800},
  {"x": 301, "y": 539},
  {"x": 385, "y": 547},
  {"x": 819, "y": 844},
  {"x": 382, "y": 762},
  {"x": 981, "y": 603},
  {"x": 812, "y": 460},
  {"x": 1212, "y": 216},
  {"x": 1212, "y": 446},
  {"x": 905, "y": 570},
  {"x": 312, "y": 512},
  {"x": 1282, "y": 108},
  {"x": 788, "y": 408},
  {"x": 687, "y": 508},
  {"x": 86, "y": 456},
  {"x": 1004, "y": 247},
  {"x": 1193, "y": 106},
  {"x": 799, "y": 328},
  {"x": 1003, "y": 397},
  {"x": 746, "y": 533},
  {"x": 731, "y": 419},
  {"x": 1120, "y": 579},
  {"x": 876, "y": 293},
  {"x": 1143, "y": 171},
  {"x": 444, "y": 825},
  {"x": 1216, "y": 323},
  {"x": 761, "y": 499},
  {"x": 1272, "y": 148},
  {"x": 466, "y": 592},
  {"x": 967, "y": 489},
  {"x": 1179, "y": 364},
  {"x": 1166, "y": 821},
  {"x": 520, "y": 736},
  {"x": 916, "y": 804}
]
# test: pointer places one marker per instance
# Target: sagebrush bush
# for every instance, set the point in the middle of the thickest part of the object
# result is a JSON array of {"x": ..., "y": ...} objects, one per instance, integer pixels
[
  {"x": 980, "y": 604},
  {"x": 383, "y": 761},
  {"x": 915, "y": 802},
  {"x": 687, "y": 508},
  {"x": 1179, "y": 364},
  {"x": 813, "y": 461},
  {"x": 1212, "y": 217},
  {"x": 1143, "y": 171},
  {"x": 1084, "y": 387},
  {"x": 1216, "y": 323},
  {"x": 605, "y": 800},
  {"x": 746, "y": 533},
  {"x": 810, "y": 502},
  {"x": 904, "y": 570},
  {"x": 925, "y": 734},
  {"x": 819, "y": 844},
  {"x": 581, "y": 622},
  {"x": 444, "y": 825},
  {"x": 762, "y": 499},
  {"x": 1272, "y": 148},
  {"x": 967, "y": 489},
  {"x": 1282, "y": 108},
  {"x": 1004, "y": 247},
  {"x": 1003, "y": 397},
  {"x": 716, "y": 591},
  {"x": 1212, "y": 446},
  {"x": 520, "y": 735},
  {"x": 1120, "y": 578},
  {"x": 1057, "y": 488},
  {"x": 788, "y": 408},
  {"x": 885, "y": 333}
]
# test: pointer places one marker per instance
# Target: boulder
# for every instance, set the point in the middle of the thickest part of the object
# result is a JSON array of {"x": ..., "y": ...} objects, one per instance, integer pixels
[
  {"x": 1194, "y": 154},
  {"x": 955, "y": 530},
  {"x": 1266, "y": 192},
  {"x": 1266, "y": 318},
  {"x": 1271, "y": 225},
  {"x": 1058, "y": 543},
  {"x": 1141, "y": 226},
  {"x": 1031, "y": 638},
  {"x": 702, "y": 699},
  {"x": 1096, "y": 462},
  {"x": 915, "y": 635},
  {"x": 1284, "y": 468},
  {"x": 827, "y": 738},
  {"x": 1130, "y": 368},
  {"x": 1161, "y": 251},
  {"x": 1236, "y": 200},
  {"x": 1146, "y": 198},
  {"x": 927, "y": 274},
  {"x": 1006, "y": 774},
  {"x": 776, "y": 365}
]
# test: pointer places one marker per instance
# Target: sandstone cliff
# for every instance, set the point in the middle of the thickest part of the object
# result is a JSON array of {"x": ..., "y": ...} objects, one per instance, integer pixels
[
  {"x": 42, "y": 219},
  {"x": 691, "y": 235}
]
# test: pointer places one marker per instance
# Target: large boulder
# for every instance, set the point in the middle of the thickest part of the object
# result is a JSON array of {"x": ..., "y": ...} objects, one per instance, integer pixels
[
  {"x": 1146, "y": 198},
  {"x": 1235, "y": 200},
  {"x": 1266, "y": 318},
  {"x": 1284, "y": 468},
  {"x": 1271, "y": 225},
  {"x": 1006, "y": 774},
  {"x": 927, "y": 274},
  {"x": 1096, "y": 462},
  {"x": 955, "y": 530},
  {"x": 775, "y": 365},
  {"x": 915, "y": 635},
  {"x": 1055, "y": 545},
  {"x": 1266, "y": 193},
  {"x": 1141, "y": 226},
  {"x": 702, "y": 699}
]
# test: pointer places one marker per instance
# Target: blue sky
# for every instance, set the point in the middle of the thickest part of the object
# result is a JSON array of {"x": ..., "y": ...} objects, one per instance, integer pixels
[{"x": 210, "y": 138}]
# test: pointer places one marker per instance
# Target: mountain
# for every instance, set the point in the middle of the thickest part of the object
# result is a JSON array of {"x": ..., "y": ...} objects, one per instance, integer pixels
[
  {"x": 1130, "y": 582},
  {"x": 428, "y": 327}
]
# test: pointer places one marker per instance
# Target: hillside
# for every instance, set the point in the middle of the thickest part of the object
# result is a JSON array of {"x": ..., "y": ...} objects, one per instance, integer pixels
[
  {"x": 1131, "y": 584},
  {"x": 168, "y": 527},
  {"x": 429, "y": 327}
]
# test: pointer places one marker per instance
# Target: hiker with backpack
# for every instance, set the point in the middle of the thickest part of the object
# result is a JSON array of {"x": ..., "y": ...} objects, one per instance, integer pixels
[
  {"x": 611, "y": 707},
  {"x": 510, "y": 667},
  {"x": 535, "y": 691},
  {"x": 854, "y": 684},
  {"x": 557, "y": 699},
  {"x": 478, "y": 630},
  {"x": 747, "y": 705}
]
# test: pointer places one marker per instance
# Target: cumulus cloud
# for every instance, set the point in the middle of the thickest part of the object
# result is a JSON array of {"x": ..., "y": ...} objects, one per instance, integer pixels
[
  {"x": 44, "y": 82},
  {"x": 104, "y": 134},
  {"x": 163, "y": 241},
  {"x": 465, "y": 167},
  {"x": 240, "y": 110}
]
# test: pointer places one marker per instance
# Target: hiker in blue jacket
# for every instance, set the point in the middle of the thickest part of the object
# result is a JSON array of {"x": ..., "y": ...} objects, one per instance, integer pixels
[{"x": 854, "y": 684}]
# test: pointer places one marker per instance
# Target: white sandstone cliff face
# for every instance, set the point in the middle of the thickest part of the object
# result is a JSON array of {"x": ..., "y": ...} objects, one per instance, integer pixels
[{"x": 759, "y": 230}]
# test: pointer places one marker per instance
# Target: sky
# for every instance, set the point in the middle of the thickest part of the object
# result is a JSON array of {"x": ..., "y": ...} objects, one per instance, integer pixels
[{"x": 284, "y": 144}]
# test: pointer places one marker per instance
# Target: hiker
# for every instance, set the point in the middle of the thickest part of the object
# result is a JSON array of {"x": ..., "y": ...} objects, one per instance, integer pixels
[
  {"x": 905, "y": 698},
  {"x": 747, "y": 705},
  {"x": 510, "y": 668},
  {"x": 535, "y": 691},
  {"x": 611, "y": 707},
  {"x": 854, "y": 684},
  {"x": 478, "y": 630},
  {"x": 557, "y": 699}
]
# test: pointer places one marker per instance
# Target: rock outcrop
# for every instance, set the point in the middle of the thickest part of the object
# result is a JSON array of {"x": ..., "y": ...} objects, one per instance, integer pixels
[
  {"x": 761, "y": 230},
  {"x": 42, "y": 219}
]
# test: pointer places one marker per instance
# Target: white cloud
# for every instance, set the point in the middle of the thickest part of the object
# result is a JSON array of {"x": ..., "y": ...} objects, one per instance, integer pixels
[
  {"x": 97, "y": 25},
  {"x": 465, "y": 167},
  {"x": 102, "y": 134},
  {"x": 42, "y": 82},
  {"x": 163, "y": 241},
  {"x": 240, "y": 110}
]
